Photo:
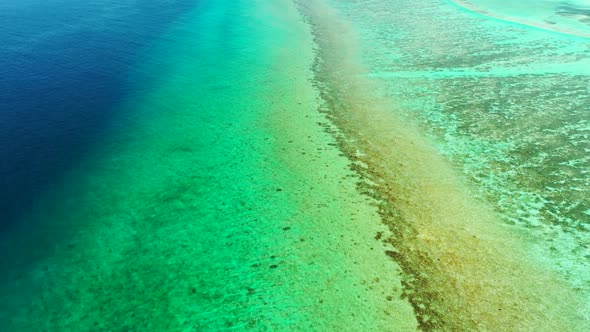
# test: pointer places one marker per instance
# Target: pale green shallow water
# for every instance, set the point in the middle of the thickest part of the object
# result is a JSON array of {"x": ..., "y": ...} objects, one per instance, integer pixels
[{"x": 508, "y": 104}]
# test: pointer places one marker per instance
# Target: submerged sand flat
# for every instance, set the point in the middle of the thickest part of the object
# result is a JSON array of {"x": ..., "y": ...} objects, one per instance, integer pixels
[
  {"x": 465, "y": 268},
  {"x": 564, "y": 17}
]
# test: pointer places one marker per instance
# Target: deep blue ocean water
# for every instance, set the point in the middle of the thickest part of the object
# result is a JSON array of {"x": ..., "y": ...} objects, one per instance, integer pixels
[{"x": 64, "y": 67}]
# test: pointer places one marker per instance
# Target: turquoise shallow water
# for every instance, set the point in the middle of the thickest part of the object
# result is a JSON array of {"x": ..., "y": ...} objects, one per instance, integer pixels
[
  {"x": 467, "y": 265},
  {"x": 507, "y": 103},
  {"x": 211, "y": 201}
]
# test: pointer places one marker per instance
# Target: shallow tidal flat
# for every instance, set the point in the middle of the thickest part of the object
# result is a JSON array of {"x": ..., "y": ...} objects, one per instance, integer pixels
[
  {"x": 569, "y": 18},
  {"x": 478, "y": 151}
]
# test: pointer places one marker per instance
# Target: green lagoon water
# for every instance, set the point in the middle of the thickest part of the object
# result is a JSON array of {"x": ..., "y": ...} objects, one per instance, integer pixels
[{"x": 317, "y": 165}]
